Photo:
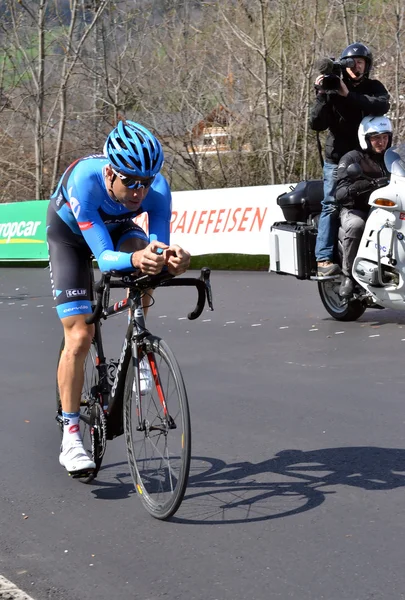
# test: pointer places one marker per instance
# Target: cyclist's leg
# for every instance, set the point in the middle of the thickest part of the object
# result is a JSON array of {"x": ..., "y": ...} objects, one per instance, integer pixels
[
  {"x": 71, "y": 283},
  {"x": 78, "y": 336},
  {"x": 93, "y": 425}
]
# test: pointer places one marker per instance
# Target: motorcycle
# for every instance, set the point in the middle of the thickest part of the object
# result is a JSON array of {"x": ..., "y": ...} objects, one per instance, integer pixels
[{"x": 379, "y": 266}]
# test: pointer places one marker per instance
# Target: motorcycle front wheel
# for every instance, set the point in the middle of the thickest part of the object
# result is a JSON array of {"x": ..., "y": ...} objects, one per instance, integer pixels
[{"x": 338, "y": 307}]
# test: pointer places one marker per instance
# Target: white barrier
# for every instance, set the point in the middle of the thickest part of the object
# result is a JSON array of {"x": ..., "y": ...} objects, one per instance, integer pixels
[{"x": 229, "y": 220}]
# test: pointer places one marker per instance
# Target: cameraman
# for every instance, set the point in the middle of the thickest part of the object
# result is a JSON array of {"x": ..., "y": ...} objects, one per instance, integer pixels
[
  {"x": 340, "y": 111},
  {"x": 375, "y": 136}
]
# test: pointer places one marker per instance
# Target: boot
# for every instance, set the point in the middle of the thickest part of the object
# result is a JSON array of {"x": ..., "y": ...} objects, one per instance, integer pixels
[{"x": 346, "y": 287}]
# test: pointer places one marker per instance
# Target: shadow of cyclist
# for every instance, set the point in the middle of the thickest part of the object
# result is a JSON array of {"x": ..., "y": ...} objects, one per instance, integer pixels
[{"x": 366, "y": 467}]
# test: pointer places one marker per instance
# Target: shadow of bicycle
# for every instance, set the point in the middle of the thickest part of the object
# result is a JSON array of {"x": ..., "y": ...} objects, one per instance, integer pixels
[{"x": 292, "y": 482}]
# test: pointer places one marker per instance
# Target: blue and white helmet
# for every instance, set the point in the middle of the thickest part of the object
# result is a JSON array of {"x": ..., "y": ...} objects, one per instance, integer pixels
[
  {"x": 373, "y": 126},
  {"x": 133, "y": 150}
]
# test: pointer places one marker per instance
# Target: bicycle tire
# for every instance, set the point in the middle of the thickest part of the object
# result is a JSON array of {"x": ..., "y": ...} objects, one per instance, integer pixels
[
  {"x": 93, "y": 421},
  {"x": 160, "y": 474}
]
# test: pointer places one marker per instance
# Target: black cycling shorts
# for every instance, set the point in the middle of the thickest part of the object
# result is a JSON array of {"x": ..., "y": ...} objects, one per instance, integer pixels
[{"x": 70, "y": 262}]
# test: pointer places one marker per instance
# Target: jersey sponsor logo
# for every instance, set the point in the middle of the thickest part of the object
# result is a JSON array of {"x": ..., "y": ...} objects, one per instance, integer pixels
[
  {"x": 111, "y": 257},
  {"x": 85, "y": 225},
  {"x": 12, "y": 232},
  {"x": 74, "y": 293},
  {"x": 75, "y": 308},
  {"x": 74, "y": 204},
  {"x": 118, "y": 219},
  {"x": 59, "y": 199}
]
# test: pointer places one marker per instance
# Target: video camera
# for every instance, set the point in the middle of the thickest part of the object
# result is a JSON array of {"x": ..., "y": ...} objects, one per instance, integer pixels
[{"x": 332, "y": 71}]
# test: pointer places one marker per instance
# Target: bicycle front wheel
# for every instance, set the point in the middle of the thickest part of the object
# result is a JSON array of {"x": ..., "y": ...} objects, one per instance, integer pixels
[
  {"x": 92, "y": 420},
  {"x": 157, "y": 430}
]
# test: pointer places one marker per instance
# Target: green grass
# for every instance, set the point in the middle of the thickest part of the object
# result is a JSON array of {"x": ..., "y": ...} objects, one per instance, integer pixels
[
  {"x": 231, "y": 262},
  {"x": 219, "y": 262}
]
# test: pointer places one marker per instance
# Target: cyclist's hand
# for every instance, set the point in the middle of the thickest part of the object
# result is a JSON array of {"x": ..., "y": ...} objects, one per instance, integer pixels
[
  {"x": 149, "y": 260},
  {"x": 177, "y": 259}
]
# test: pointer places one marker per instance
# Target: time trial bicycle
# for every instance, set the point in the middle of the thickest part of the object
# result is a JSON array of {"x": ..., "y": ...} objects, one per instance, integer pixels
[{"x": 156, "y": 421}]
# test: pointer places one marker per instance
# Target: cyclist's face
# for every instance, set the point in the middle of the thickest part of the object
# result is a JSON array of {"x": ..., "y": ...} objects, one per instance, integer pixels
[{"x": 130, "y": 198}]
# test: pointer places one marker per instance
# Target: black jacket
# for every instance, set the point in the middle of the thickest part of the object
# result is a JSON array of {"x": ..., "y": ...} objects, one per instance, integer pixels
[
  {"x": 355, "y": 194},
  {"x": 342, "y": 115}
]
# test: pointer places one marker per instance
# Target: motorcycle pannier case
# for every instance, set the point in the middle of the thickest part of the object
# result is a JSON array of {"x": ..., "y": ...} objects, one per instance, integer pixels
[
  {"x": 302, "y": 201},
  {"x": 292, "y": 249}
]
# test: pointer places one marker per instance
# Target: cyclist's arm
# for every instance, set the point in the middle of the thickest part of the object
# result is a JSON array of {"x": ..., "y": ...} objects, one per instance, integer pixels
[
  {"x": 99, "y": 240},
  {"x": 158, "y": 205},
  {"x": 176, "y": 258},
  {"x": 85, "y": 206}
]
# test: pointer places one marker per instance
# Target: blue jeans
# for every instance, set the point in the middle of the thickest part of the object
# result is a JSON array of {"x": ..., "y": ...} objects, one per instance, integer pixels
[{"x": 328, "y": 225}]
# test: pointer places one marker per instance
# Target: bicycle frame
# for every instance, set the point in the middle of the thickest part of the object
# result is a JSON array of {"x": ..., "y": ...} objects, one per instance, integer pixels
[{"x": 112, "y": 394}]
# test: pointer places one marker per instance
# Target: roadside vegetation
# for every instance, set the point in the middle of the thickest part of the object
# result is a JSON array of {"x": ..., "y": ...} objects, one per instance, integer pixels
[{"x": 226, "y": 84}]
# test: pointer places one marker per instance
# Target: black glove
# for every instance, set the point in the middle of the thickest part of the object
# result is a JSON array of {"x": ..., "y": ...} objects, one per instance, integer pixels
[
  {"x": 380, "y": 182},
  {"x": 361, "y": 186}
]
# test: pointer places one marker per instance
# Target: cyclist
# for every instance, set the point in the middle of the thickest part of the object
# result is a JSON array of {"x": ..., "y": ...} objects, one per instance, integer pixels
[{"x": 92, "y": 212}]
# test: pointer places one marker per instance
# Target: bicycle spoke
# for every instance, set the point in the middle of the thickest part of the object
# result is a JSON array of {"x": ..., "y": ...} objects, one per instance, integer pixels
[{"x": 158, "y": 442}]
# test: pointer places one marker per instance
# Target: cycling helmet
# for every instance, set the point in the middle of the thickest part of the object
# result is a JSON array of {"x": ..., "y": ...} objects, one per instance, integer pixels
[
  {"x": 371, "y": 126},
  {"x": 133, "y": 150},
  {"x": 359, "y": 50}
]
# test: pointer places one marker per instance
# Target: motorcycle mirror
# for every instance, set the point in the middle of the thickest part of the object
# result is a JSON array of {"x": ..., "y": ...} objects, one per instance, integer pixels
[{"x": 354, "y": 171}]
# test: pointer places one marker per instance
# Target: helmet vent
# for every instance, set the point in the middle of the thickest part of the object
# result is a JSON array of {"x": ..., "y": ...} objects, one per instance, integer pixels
[{"x": 134, "y": 151}]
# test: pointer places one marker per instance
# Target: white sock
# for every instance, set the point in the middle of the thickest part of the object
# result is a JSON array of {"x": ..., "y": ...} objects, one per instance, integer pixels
[{"x": 71, "y": 428}]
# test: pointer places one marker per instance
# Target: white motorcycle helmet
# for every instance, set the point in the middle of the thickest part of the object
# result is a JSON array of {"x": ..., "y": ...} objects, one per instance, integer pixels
[{"x": 371, "y": 126}]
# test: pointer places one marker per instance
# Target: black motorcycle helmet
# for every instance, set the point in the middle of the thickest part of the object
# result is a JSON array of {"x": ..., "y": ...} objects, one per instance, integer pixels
[{"x": 359, "y": 50}]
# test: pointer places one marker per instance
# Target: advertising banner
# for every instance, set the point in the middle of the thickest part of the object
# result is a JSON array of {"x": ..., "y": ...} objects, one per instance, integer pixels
[
  {"x": 22, "y": 230},
  {"x": 229, "y": 220}
]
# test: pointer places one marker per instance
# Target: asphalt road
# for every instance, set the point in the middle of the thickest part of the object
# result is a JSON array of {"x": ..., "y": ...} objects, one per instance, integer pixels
[{"x": 298, "y": 470}]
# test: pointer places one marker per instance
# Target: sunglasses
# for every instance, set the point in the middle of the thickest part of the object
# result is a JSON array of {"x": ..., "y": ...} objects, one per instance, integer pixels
[{"x": 133, "y": 183}]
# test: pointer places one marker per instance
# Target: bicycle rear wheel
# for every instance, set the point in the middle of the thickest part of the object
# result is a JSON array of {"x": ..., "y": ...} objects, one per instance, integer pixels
[
  {"x": 158, "y": 431},
  {"x": 92, "y": 420}
]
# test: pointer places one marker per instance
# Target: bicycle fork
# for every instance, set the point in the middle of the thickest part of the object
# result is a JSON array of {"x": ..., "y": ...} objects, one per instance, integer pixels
[{"x": 167, "y": 422}]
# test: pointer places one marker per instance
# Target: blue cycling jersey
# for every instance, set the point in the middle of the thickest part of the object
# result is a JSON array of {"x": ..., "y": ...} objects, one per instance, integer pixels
[{"x": 81, "y": 200}]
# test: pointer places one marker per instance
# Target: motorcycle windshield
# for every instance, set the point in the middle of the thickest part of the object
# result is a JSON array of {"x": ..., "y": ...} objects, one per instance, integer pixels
[{"x": 394, "y": 159}]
